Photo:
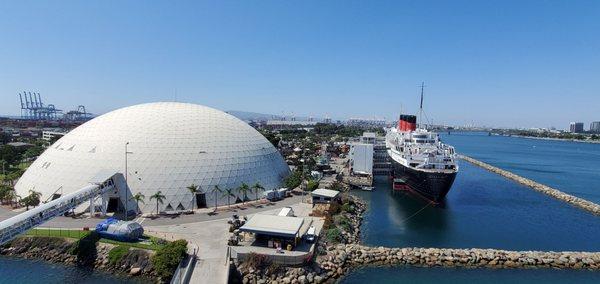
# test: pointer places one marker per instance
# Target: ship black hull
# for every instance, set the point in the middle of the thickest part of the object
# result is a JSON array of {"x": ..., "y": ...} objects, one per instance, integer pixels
[{"x": 433, "y": 186}]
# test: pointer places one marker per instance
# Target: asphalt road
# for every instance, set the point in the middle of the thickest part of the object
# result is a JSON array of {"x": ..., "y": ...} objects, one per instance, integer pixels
[{"x": 206, "y": 215}]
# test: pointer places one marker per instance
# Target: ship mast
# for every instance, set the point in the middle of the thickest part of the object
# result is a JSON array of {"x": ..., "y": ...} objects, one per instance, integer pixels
[{"x": 421, "y": 107}]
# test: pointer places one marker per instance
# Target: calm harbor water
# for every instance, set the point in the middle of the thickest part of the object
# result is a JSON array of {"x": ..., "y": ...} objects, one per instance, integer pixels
[
  {"x": 572, "y": 167},
  {"x": 23, "y": 271},
  {"x": 484, "y": 210},
  {"x": 455, "y": 275}
]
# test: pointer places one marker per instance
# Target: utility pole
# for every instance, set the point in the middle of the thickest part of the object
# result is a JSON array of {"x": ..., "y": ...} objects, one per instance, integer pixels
[
  {"x": 421, "y": 106},
  {"x": 126, "y": 184}
]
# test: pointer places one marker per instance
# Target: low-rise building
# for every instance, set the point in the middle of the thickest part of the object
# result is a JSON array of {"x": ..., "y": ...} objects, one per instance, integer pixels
[
  {"x": 322, "y": 195},
  {"x": 274, "y": 231},
  {"x": 361, "y": 159},
  {"x": 50, "y": 135},
  {"x": 20, "y": 145}
]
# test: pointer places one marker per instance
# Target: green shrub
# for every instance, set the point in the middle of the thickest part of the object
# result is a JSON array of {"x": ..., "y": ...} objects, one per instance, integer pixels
[
  {"x": 167, "y": 258},
  {"x": 116, "y": 254},
  {"x": 342, "y": 222},
  {"x": 312, "y": 185},
  {"x": 346, "y": 207},
  {"x": 158, "y": 241},
  {"x": 333, "y": 235},
  {"x": 85, "y": 248},
  {"x": 293, "y": 180}
]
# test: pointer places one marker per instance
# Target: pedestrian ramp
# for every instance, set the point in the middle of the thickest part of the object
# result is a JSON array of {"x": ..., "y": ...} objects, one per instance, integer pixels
[{"x": 98, "y": 186}]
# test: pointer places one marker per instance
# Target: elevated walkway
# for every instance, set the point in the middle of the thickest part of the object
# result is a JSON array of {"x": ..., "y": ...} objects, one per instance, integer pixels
[{"x": 98, "y": 186}]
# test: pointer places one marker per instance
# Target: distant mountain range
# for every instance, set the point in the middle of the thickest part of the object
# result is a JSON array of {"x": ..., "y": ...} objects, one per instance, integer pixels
[{"x": 246, "y": 115}]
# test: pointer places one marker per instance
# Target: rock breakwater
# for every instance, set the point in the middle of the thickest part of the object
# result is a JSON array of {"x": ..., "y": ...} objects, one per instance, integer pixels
[
  {"x": 573, "y": 200},
  {"x": 340, "y": 259},
  {"x": 345, "y": 256}
]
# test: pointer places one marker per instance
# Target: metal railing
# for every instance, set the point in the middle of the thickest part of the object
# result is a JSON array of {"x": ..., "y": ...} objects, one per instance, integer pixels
[{"x": 184, "y": 271}]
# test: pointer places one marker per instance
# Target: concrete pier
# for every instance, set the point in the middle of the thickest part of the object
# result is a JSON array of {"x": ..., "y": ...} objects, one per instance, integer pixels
[{"x": 573, "y": 200}]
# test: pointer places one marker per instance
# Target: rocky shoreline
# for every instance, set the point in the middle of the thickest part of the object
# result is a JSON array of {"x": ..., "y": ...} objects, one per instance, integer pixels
[
  {"x": 573, "y": 200},
  {"x": 318, "y": 271},
  {"x": 136, "y": 262}
]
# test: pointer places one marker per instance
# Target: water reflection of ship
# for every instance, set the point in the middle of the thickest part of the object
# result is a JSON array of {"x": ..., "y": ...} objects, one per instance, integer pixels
[{"x": 417, "y": 213}]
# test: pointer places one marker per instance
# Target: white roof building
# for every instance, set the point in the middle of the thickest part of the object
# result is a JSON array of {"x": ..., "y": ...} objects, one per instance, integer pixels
[
  {"x": 325, "y": 192},
  {"x": 283, "y": 226},
  {"x": 171, "y": 145}
]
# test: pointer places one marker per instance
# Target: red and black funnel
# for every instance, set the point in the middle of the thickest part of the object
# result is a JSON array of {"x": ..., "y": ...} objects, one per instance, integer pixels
[{"x": 407, "y": 122}]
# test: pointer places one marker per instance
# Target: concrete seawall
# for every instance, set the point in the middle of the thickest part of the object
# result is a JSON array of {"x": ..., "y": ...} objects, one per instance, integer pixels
[{"x": 573, "y": 200}]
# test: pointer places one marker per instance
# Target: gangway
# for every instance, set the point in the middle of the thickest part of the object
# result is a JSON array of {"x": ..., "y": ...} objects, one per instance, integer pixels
[{"x": 19, "y": 224}]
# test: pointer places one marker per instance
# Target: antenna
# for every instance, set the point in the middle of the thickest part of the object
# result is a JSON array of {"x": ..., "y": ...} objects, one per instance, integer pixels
[{"x": 421, "y": 106}]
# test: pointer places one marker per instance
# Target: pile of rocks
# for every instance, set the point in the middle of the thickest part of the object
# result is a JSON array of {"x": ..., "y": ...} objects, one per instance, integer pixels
[
  {"x": 573, "y": 200},
  {"x": 344, "y": 257}
]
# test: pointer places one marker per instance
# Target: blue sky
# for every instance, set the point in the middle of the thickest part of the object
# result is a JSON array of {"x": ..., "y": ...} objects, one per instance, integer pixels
[{"x": 501, "y": 63}]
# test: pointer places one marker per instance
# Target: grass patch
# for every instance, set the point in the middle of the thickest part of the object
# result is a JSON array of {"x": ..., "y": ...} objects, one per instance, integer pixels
[
  {"x": 155, "y": 243},
  {"x": 133, "y": 245},
  {"x": 116, "y": 254},
  {"x": 73, "y": 234}
]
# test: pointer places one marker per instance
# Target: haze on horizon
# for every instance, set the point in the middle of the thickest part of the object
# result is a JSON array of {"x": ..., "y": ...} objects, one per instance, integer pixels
[{"x": 494, "y": 63}]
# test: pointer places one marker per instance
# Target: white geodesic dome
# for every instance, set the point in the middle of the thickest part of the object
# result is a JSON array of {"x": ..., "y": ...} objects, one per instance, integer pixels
[{"x": 172, "y": 145}]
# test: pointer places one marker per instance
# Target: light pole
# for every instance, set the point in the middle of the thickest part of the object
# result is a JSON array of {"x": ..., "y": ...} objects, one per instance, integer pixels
[{"x": 126, "y": 184}]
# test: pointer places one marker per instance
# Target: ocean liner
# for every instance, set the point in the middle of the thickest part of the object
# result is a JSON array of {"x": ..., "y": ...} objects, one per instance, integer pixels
[{"x": 422, "y": 163}]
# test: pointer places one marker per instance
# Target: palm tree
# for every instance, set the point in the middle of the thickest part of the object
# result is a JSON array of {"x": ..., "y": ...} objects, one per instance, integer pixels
[
  {"x": 159, "y": 199},
  {"x": 216, "y": 190},
  {"x": 193, "y": 189},
  {"x": 4, "y": 192},
  {"x": 243, "y": 189},
  {"x": 34, "y": 198},
  {"x": 228, "y": 193},
  {"x": 138, "y": 197},
  {"x": 257, "y": 187}
]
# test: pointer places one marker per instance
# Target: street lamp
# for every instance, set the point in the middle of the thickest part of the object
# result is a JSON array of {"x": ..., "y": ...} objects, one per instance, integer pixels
[{"x": 126, "y": 184}]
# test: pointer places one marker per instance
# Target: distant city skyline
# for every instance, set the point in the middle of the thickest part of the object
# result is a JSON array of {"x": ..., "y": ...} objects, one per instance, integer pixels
[{"x": 494, "y": 63}]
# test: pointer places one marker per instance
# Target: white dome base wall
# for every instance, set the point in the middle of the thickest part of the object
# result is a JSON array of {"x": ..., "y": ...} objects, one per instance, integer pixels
[{"x": 171, "y": 145}]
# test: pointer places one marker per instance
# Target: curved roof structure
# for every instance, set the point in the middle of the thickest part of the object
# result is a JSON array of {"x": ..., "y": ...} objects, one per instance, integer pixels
[{"x": 171, "y": 145}]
